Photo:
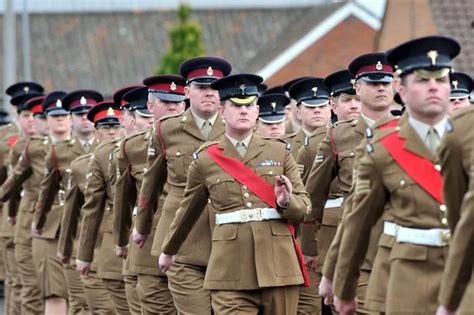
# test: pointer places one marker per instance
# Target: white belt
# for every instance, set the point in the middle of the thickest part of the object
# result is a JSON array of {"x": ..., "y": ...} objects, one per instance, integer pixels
[
  {"x": 334, "y": 203},
  {"x": 247, "y": 215},
  {"x": 430, "y": 237}
]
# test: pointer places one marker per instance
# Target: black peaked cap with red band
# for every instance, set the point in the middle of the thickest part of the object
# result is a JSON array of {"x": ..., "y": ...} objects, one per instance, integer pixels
[
  {"x": 80, "y": 101},
  {"x": 35, "y": 105},
  {"x": 118, "y": 95},
  {"x": 53, "y": 105},
  {"x": 204, "y": 70},
  {"x": 372, "y": 67},
  {"x": 105, "y": 113},
  {"x": 167, "y": 87}
]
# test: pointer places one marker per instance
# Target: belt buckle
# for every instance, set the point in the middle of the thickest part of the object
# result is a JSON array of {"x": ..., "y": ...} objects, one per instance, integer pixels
[{"x": 251, "y": 215}]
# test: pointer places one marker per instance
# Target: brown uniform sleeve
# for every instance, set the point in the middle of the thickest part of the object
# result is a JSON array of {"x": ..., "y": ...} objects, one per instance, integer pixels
[
  {"x": 154, "y": 180},
  {"x": 305, "y": 158},
  {"x": 92, "y": 210},
  {"x": 20, "y": 173}
]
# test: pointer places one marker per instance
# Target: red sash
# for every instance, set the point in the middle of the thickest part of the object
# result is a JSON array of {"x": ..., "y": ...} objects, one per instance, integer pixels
[
  {"x": 419, "y": 168},
  {"x": 260, "y": 187},
  {"x": 11, "y": 141}
]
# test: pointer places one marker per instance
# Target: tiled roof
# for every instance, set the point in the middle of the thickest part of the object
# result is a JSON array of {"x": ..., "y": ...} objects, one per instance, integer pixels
[
  {"x": 105, "y": 51},
  {"x": 456, "y": 19}
]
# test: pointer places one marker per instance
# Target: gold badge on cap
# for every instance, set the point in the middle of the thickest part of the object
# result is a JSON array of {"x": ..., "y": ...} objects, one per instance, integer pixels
[
  {"x": 274, "y": 105},
  {"x": 172, "y": 86},
  {"x": 26, "y": 89},
  {"x": 110, "y": 112},
  {"x": 59, "y": 103},
  {"x": 83, "y": 101},
  {"x": 378, "y": 66},
  {"x": 433, "y": 55},
  {"x": 455, "y": 84},
  {"x": 315, "y": 90},
  {"x": 210, "y": 71}
]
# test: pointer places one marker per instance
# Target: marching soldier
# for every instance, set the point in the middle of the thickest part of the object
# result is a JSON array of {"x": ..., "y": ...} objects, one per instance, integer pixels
[
  {"x": 177, "y": 138},
  {"x": 271, "y": 117},
  {"x": 97, "y": 210},
  {"x": 346, "y": 105},
  {"x": 164, "y": 95},
  {"x": 293, "y": 121},
  {"x": 457, "y": 169},
  {"x": 58, "y": 163},
  {"x": 255, "y": 188},
  {"x": 461, "y": 88},
  {"x": 398, "y": 178},
  {"x": 22, "y": 177}
]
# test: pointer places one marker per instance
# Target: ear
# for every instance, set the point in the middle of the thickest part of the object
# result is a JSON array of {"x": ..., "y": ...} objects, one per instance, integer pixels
[
  {"x": 357, "y": 87},
  {"x": 298, "y": 112},
  {"x": 186, "y": 91},
  {"x": 332, "y": 103},
  {"x": 149, "y": 105}
]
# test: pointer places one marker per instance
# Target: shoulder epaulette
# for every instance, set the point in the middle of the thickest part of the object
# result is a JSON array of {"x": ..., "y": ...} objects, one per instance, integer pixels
[
  {"x": 306, "y": 141},
  {"x": 202, "y": 148},
  {"x": 342, "y": 122},
  {"x": 167, "y": 117},
  {"x": 287, "y": 144}
]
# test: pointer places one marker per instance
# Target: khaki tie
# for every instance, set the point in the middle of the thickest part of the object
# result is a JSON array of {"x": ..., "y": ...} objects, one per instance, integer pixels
[
  {"x": 432, "y": 139},
  {"x": 206, "y": 128},
  {"x": 240, "y": 146},
  {"x": 86, "y": 146}
]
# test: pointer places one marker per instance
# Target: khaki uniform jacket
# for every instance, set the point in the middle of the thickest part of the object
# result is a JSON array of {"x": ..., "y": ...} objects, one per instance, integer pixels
[
  {"x": 27, "y": 174},
  {"x": 54, "y": 185},
  {"x": 97, "y": 212},
  {"x": 181, "y": 137},
  {"x": 297, "y": 141},
  {"x": 457, "y": 168},
  {"x": 383, "y": 189},
  {"x": 244, "y": 256}
]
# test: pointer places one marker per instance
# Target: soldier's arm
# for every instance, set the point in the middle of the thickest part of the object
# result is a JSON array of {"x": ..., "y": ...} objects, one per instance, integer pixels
[
  {"x": 368, "y": 202},
  {"x": 74, "y": 200},
  {"x": 305, "y": 157},
  {"x": 49, "y": 187},
  {"x": 190, "y": 208},
  {"x": 92, "y": 210},
  {"x": 125, "y": 195},
  {"x": 15, "y": 195},
  {"x": 154, "y": 180},
  {"x": 20, "y": 173}
]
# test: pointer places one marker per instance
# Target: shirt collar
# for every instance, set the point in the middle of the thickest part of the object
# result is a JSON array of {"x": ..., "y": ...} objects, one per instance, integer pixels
[
  {"x": 369, "y": 121},
  {"x": 422, "y": 129},
  {"x": 306, "y": 132},
  {"x": 246, "y": 141},
  {"x": 200, "y": 121}
]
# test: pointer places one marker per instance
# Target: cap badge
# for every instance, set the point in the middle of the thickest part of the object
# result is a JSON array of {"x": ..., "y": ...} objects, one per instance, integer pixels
[
  {"x": 242, "y": 88},
  {"x": 378, "y": 66},
  {"x": 315, "y": 90},
  {"x": 455, "y": 84},
  {"x": 110, "y": 112},
  {"x": 353, "y": 82},
  {"x": 26, "y": 89},
  {"x": 172, "y": 86},
  {"x": 273, "y": 104},
  {"x": 210, "y": 71},
  {"x": 83, "y": 101},
  {"x": 59, "y": 103},
  {"x": 433, "y": 55}
]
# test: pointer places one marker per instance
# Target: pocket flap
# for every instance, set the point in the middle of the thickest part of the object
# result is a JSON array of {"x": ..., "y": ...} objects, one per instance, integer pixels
[
  {"x": 409, "y": 252},
  {"x": 225, "y": 232},
  {"x": 279, "y": 227}
]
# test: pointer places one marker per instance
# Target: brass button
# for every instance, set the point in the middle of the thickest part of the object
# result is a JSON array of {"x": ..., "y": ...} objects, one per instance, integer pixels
[
  {"x": 249, "y": 205},
  {"x": 397, "y": 128},
  {"x": 444, "y": 221},
  {"x": 209, "y": 201},
  {"x": 270, "y": 173},
  {"x": 246, "y": 195},
  {"x": 437, "y": 167},
  {"x": 443, "y": 208},
  {"x": 178, "y": 153},
  {"x": 446, "y": 236},
  {"x": 352, "y": 153},
  {"x": 244, "y": 187},
  {"x": 218, "y": 180},
  {"x": 402, "y": 183}
]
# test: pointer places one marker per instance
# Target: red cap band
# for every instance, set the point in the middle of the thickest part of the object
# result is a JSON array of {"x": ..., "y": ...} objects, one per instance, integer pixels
[
  {"x": 168, "y": 87},
  {"x": 81, "y": 102},
  {"x": 104, "y": 113},
  {"x": 375, "y": 68},
  {"x": 205, "y": 72},
  {"x": 37, "y": 109}
]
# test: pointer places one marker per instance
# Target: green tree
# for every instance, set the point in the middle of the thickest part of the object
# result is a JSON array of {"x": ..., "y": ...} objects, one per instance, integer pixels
[{"x": 186, "y": 42}]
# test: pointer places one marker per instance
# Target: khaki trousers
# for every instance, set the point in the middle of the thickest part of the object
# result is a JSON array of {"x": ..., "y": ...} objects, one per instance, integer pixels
[
  {"x": 97, "y": 296},
  {"x": 12, "y": 277},
  {"x": 132, "y": 295},
  {"x": 77, "y": 297},
  {"x": 116, "y": 289},
  {"x": 268, "y": 301},
  {"x": 154, "y": 295},
  {"x": 31, "y": 299},
  {"x": 309, "y": 301},
  {"x": 186, "y": 286}
]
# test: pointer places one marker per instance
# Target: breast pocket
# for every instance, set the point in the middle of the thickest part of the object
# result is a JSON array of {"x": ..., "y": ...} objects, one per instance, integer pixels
[
  {"x": 224, "y": 192},
  {"x": 346, "y": 159},
  {"x": 268, "y": 173},
  {"x": 402, "y": 189},
  {"x": 178, "y": 163}
]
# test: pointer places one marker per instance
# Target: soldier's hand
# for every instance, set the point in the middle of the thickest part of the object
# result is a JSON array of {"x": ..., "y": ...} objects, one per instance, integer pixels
[
  {"x": 165, "y": 262},
  {"x": 283, "y": 189},
  {"x": 121, "y": 251},
  {"x": 345, "y": 307},
  {"x": 83, "y": 267},
  {"x": 138, "y": 238},
  {"x": 325, "y": 290},
  {"x": 11, "y": 220},
  {"x": 442, "y": 310},
  {"x": 311, "y": 262},
  {"x": 63, "y": 259},
  {"x": 34, "y": 230}
]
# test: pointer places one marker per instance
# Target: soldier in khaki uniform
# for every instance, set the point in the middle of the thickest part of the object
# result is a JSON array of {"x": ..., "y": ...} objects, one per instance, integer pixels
[
  {"x": 293, "y": 121},
  {"x": 177, "y": 137},
  {"x": 457, "y": 168},
  {"x": 97, "y": 210},
  {"x": 398, "y": 178},
  {"x": 55, "y": 183},
  {"x": 461, "y": 88},
  {"x": 165, "y": 96},
  {"x": 271, "y": 116},
  {"x": 29, "y": 120},
  {"x": 243, "y": 276},
  {"x": 336, "y": 152}
]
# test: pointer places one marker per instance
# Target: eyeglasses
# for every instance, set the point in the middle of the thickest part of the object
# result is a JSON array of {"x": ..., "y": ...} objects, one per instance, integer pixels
[{"x": 108, "y": 127}]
